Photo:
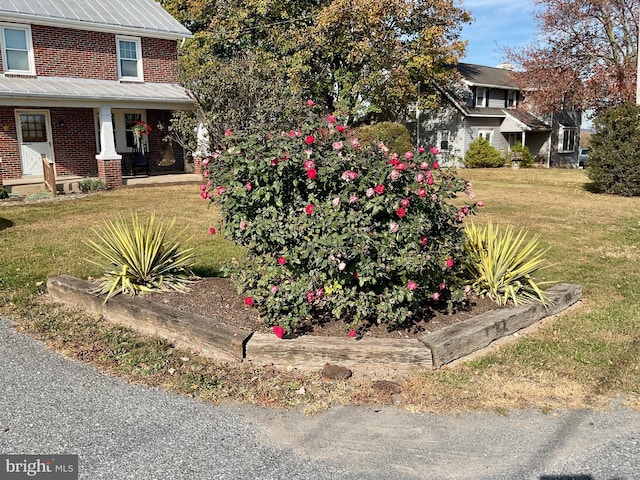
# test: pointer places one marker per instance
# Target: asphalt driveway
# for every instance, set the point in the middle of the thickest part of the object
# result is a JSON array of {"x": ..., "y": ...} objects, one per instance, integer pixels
[{"x": 52, "y": 405}]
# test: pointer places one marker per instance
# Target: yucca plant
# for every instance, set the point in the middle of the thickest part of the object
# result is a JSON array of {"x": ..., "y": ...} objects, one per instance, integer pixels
[
  {"x": 503, "y": 264},
  {"x": 140, "y": 256}
]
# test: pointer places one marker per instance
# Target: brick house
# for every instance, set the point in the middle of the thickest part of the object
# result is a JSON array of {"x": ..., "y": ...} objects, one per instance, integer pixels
[
  {"x": 76, "y": 76},
  {"x": 490, "y": 104}
]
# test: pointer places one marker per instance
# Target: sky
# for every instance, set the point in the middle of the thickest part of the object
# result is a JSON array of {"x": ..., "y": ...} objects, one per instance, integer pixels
[{"x": 498, "y": 24}]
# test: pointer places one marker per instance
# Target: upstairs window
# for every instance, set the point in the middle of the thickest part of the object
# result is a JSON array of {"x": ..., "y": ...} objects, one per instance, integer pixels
[
  {"x": 17, "y": 49},
  {"x": 443, "y": 140},
  {"x": 512, "y": 99},
  {"x": 567, "y": 139},
  {"x": 481, "y": 97},
  {"x": 129, "y": 58}
]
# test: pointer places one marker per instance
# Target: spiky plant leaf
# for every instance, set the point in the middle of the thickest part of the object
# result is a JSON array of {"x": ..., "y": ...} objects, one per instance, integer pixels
[
  {"x": 141, "y": 256},
  {"x": 503, "y": 264}
]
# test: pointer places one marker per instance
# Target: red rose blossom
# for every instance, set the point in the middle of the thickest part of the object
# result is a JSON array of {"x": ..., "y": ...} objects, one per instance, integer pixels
[
  {"x": 212, "y": 231},
  {"x": 278, "y": 331},
  {"x": 312, "y": 173},
  {"x": 379, "y": 189},
  {"x": 282, "y": 261},
  {"x": 402, "y": 212},
  {"x": 248, "y": 301},
  {"x": 309, "y": 209},
  {"x": 309, "y": 139}
]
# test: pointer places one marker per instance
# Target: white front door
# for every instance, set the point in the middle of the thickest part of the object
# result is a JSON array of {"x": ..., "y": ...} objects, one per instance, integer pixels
[{"x": 34, "y": 137}]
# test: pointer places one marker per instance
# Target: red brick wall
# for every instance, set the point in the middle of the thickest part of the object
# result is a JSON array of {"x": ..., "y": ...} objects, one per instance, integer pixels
[
  {"x": 11, "y": 166},
  {"x": 65, "y": 52},
  {"x": 111, "y": 172},
  {"x": 74, "y": 143}
]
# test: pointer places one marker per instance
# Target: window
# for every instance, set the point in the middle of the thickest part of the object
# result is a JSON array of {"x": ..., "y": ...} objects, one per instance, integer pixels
[
  {"x": 481, "y": 97},
  {"x": 443, "y": 140},
  {"x": 567, "y": 139},
  {"x": 129, "y": 58},
  {"x": 512, "y": 99},
  {"x": 17, "y": 50},
  {"x": 131, "y": 119},
  {"x": 486, "y": 134}
]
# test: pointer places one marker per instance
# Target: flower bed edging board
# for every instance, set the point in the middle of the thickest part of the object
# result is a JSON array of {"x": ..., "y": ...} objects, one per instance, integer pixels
[
  {"x": 212, "y": 336},
  {"x": 464, "y": 338},
  {"x": 218, "y": 340}
]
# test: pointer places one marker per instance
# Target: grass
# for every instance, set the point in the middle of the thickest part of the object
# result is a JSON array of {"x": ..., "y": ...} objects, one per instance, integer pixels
[{"x": 584, "y": 358}]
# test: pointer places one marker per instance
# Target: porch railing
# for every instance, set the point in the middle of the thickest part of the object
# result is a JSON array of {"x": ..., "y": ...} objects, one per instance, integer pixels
[{"x": 49, "y": 173}]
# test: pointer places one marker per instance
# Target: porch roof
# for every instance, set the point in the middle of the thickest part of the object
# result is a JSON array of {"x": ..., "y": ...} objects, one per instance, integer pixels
[
  {"x": 141, "y": 17},
  {"x": 73, "y": 92},
  {"x": 532, "y": 122}
]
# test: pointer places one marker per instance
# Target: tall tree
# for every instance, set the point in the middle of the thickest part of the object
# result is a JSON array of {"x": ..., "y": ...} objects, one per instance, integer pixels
[
  {"x": 363, "y": 58},
  {"x": 585, "y": 56}
]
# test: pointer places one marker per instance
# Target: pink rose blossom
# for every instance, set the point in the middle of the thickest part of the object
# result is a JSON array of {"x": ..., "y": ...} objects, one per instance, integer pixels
[
  {"x": 422, "y": 192},
  {"x": 424, "y": 166},
  {"x": 402, "y": 167},
  {"x": 383, "y": 148},
  {"x": 449, "y": 262},
  {"x": 248, "y": 301},
  {"x": 395, "y": 174},
  {"x": 309, "y": 152},
  {"x": 401, "y": 212},
  {"x": 436, "y": 165},
  {"x": 420, "y": 178},
  {"x": 379, "y": 189},
  {"x": 370, "y": 192},
  {"x": 436, "y": 296},
  {"x": 405, "y": 202},
  {"x": 228, "y": 133},
  {"x": 273, "y": 289},
  {"x": 204, "y": 195},
  {"x": 243, "y": 225},
  {"x": 221, "y": 190},
  {"x": 430, "y": 181},
  {"x": 337, "y": 145},
  {"x": 442, "y": 286},
  {"x": 212, "y": 230},
  {"x": 335, "y": 202},
  {"x": 331, "y": 119},
  {"x": 311, "y": 296},
  {"x": 282, "y": 260},
  {"x": 205, "y": 162},
  {"x": 203, "y": 188},
  {"x": 320, "y": 293},
  {"x": 434, "y": 150},
  {"x": 411, "y": 285},
  {"x": 355, "y": 143},
  {"x": 408, "y": 155},
  {"x": 394, "y": 227},
  {"x": 471, "y": 195},
  {"x": 349, "y": 175},
  {"x": 309, "y": 209},
  {"x": 421, "y": 149},
  {"x": 278, "y": 331},
  {"x": 353, "y": 333},
  {"x": 310, "y": 103},
  {"x": 480, "y": 204},
  {"x": 353, "y": 199},
  {"x": 249, "y": 186},
  {"x": 309, "y": 164}
]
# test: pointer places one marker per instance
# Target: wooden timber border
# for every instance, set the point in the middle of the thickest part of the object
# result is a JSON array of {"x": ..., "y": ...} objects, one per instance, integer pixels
[{"x": 218, "y": 340}]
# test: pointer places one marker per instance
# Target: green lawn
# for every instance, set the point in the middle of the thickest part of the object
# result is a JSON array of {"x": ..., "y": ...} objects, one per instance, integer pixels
[{"x": 584, "y": 357}]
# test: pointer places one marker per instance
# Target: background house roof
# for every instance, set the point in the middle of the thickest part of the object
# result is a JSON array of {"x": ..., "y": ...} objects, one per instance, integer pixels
[
  {"x": 141, "y": 17},
  {"x": 482, "y": 76}
]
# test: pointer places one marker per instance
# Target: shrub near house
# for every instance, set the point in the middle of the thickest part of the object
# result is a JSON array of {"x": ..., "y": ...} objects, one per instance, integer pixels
[{"x": 334, "y": 229}]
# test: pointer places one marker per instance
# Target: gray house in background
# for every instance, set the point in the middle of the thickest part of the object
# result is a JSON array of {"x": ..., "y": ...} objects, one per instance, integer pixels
[{"x": 489, "y": 104}]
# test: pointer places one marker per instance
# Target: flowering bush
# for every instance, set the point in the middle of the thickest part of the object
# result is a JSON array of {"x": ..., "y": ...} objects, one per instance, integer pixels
[
  {"x": 333, "y": 229},
  {"x": 140, "y": 129}
]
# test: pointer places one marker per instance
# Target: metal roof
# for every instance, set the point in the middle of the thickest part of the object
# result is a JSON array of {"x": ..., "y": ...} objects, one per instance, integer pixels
[
  {"x": 122, "y": 16},
  {"x": 482, "y": 76},
  {"x": 48, "y": 91}
]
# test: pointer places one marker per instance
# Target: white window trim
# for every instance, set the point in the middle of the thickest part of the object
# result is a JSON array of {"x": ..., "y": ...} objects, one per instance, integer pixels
[
  {"x": 440, "y": 139},
  {"x": 485, "y": 100},
  {"x": 486, "y": 133},
  {"x": 30, "y": 55},
  {"x": 139, "y": 77},
  {"x": 561, "y": 133}
]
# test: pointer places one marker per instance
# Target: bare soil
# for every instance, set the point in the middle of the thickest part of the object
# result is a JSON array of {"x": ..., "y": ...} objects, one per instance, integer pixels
[{"x": 218, "y": 298}]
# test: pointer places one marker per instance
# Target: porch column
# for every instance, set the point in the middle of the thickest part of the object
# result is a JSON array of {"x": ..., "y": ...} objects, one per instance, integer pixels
[
  {"x": 109, "y": 161},
  {"x": 203, "y": 145}
]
